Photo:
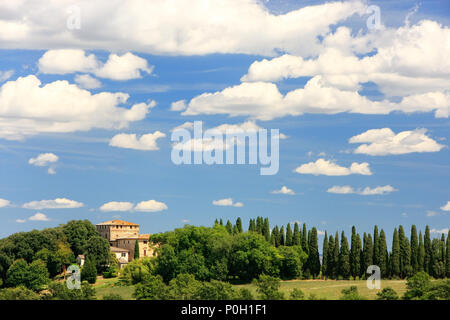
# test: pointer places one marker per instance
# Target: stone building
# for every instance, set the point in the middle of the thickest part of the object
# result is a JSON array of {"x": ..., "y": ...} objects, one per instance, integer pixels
[{"x": 123, "y": 235}]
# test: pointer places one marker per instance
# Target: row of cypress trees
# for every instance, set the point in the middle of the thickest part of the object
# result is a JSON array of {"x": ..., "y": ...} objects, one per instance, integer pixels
[{"x": 341, "y": 259}]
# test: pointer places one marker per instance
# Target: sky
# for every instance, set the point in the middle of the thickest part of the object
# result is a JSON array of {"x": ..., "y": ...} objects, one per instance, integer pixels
[{"x": 90, "y": 94}]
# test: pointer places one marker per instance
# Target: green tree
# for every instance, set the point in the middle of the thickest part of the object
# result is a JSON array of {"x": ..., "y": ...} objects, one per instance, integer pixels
[
  {"x": 266, "y": 229},
  {"x": 268, "y": 288},
  {"x": 275, "y": 239},
  {"x": 427, "y": 247},
  {"x": 414, "y": 249},
  {"x": 217, "y": 290},
  {"x": 151, "y": 288},
  {"x": 251, "y": 225},
  {"x": 59, "y": 291},
  {"x": 336, "y": 271},
  {"x": 78, "y": 233},
  {"x": 344, "y": 257},
  {"x": 297, "y": 294},
  {"x": 282, "y": 236},
  {"x": 98, "y": 249},
  {"x": 387, "y": 294},
  {"x": 421, "y": 254},
  {"x": 229, "y": 227},
  {"x": 331, "y": 263},
  {"x": 367, "y": 253},
  {"x": 239, "y": 225},
  {"x": 447, "y": 255},
  {"x": 184, "y": 287},
  {"x": 351, "y": 294},
  {"x": 18, "y": 274},
  {"x": 289, "y": 235},
  {"x": 296, "y": 237},
  {"x": 38, "y": 275},
  {"x": 376, "y": 246},
  {"x": 383, "y": 254},
  {"x": 417, "y": 285},
  {"x": 325, "y": 256},
  {"x": 405, "y": 253},
  {"x": 136, "y": 250},
  {"x": 395, "y": 260},
  {"x": 305, "y": 246},
  {"x": 355, "y": 254},
  {"x": 89, "y": 271},
  {"x": 18, "y": 293},
  {"x": 313, "y": 256}
]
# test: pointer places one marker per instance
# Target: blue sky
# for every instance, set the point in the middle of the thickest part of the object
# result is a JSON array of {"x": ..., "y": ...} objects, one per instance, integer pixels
[{"x": 92, "y": 173}]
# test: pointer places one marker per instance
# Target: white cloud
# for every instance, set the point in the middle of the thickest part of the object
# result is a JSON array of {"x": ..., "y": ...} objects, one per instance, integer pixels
[
  {"x": 63, "y": 61},
  {"x": 320, "y": 233},
  {"x": 87, "y": 82},
  {"x": 147, "y": 142},
  {"x": 330, "y": 168},
  {"x": 43, "y": 159},
  {"x": 116, "y": 206},
  {"x": 4, "y": 203},
  {"x": 284, "y": 190},
  {"x": 386, "y": 142},
  {"x": 178, "y": 105},
  {"x": 435, "y": 213},
  {"x": 5, "y": 75},
  {"x": 28, "y": 108},
  {"x": 367, "y": 191},
  {"x": 59, "y": 203},
  {"x": 440, "y": 231},
  {"x": 172, "y": 27},
  {"x": 39, "y": 217},
  {"x": 446, "y": 207},
  {"x": 150, "y": 206},
  {"x": 21, "y": 220},
  {"x": 51, "y": 171},
  {"x": 227, "y": 202}
]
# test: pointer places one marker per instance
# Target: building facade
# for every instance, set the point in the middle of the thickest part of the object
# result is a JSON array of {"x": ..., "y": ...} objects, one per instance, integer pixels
[{"x": 122, "y": 235}]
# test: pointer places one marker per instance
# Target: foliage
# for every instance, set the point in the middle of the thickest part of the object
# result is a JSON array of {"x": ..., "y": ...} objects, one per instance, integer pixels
[
  {"x": 59, "y": 291},
  {"x": 112, "y": 296},
  {"x": 89, "y": 271},
  {"x": 98, "y": 250},
  {"x": 33, "y": 276},
  {"x": 297, "y": 294},
  {"x": 136, "y": 270},
  {"x": 268, "y": 288},
  {"x": 351, "y": 294},
  {"x": 387, "y": 294},
  {"x": 417, "y": 285},
  {"x": 151, "y": 288},
  {"x": 78, "y": 233},
  {"x": 18, "y": 293}
]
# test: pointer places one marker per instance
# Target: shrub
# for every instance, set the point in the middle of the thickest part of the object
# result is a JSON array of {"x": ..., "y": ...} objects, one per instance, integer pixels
[
  {"x": 18, "y": 293},
  {"x": 267, "y": 287},
  {"x": 112, "y": 296},
  {"x": 351, "y": 294},
  {"x": 297, "y": 294},
  {"x": 387, "y": 294}
]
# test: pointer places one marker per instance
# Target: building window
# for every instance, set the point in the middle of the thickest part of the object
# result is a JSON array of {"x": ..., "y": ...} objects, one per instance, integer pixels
[{"x": 124, "y": 254}]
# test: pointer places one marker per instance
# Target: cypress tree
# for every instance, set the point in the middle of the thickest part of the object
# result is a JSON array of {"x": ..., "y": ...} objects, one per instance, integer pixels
[
  {"x": 330, "y": 259},
  {"x": 216, "y": 222},
  {"x": 447, "y": 256},
  {"x": 289, "y": 235},
  {"x": 251, "y": 225},
  {"x": 266, "y": 229},
  {"x": 136, "y": 250},
  {"x": 421, "y": 254},
  {"x": 313, "y": 257},
  {"x": 259, "y": 225},
  {"x": 427, "y": 246},
  {"x": 344, "y": 257},
  {"x": 354, "y": 255},
  {"x": 235, "y": 229},
  {"x": 305, "y": 239},
  {"x": 405, "y": 253},
  {"x": 239, "y": 225},
  {"x": 296, "y": 237},
  {"x": 229, "y": 227},
  {"x": 89, "y": 271},
  {"x": 336, "y": 256},
  {"x": 414, "y": 249},
  {"x": 368, "y": 253},
  {"x": 383, "y": 262},
  {"x": 221, "y": 222},
  {"x": 325, "y": 256},
  {"x": 376, "y": 251},
  {"x": 282, "y": 236},
  {"x": 275, "y": 236},
  {"x": 395, "y": 260}
]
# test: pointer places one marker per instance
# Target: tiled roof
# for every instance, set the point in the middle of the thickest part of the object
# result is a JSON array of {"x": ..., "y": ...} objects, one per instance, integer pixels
[
  {"x": 134, "y": 237},
  {"x": 117, "y": 222},
  {"x": 115, "y": 249}
]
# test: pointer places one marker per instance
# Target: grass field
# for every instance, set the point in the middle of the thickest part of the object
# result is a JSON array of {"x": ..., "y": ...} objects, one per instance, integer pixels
[{"x": 329, "y": 289}]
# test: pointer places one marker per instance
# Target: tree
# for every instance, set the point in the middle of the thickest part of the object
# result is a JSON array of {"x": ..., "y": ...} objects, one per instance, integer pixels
[
  {"x": 239, "y": 225},
  {"x": 427, "y": 247},
  {"x": 17, "y": 274},
  {"x": 313, "y": 256},
  {"x": 421, "y": 254},
  {"x": 282, "y": 236},
  {"x": 376, "y": 246},
  {"x": 266, "y": 229},
  {"x": 89, "y": 271},
  {"x": 98, "y": 249},
  {"x": 59, "y": 291},
  {"x": 38, "y": 275},
  {"x": 136, "y": 250},
  {"x": 417, "y": 285},
  {"x": 387, "y": 294},
  {"x": 229, "y": 227},
  {"x": 336, "y": 270},
  {"x": 447, "y": 256},
  {"x": 367, "y": 252},
  {"x": 289, "y": 235},
  {"x": 78, "y": 233},
  {"x": 405, "y": 253},
  {"x": 275, "y": 239},
  {"x": 344, "y": 258},
  {"x": 330, "y": 260},
  {"x": 305, "y": 239},
  {"x": 184, "y": 287},
  {"x": 216, "y": 290},
  {"x": 33, "y": 276},
  {"x": 414, "y": 249},
  {"x": 395, "y": 260},
  {"x": 296, "y": 237},
  {"x": 355, "y": 254},
  {"x": 383, "y": 254},
  {"x": 351, "y": 294},
  {"x": 268, "y": 288},
  {"x": 251, "y": 225},
  {"x": 297, "y": 294},
  {"x": 18, "y": 293},
  {"x": 325, "y": 256}
]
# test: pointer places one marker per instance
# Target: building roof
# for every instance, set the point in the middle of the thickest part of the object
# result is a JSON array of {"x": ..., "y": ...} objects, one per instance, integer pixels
[
  {"x": 115, "y": 249},
  {"x": 134, "y": 237},
  {"x": 117, "y": 223}
]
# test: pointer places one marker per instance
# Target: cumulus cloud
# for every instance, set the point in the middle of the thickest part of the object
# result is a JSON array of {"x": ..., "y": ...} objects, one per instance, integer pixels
[
  {"x": 39, "y": 217},
  {"x": 147, "y": 142},
  {"x": 178, "y": 105},
  {"x": 446, "y": 207},
  {"x": 186, "y": 27},
  {"x": 227, "y": 202},
  {"x": 28, "y": 108},
  {"x": 330, "y": 168},
  {"x": 386, "y": 142},
  {"x": 4, "y": 203},
  {"x": 150, "y": 206},
  {"x": 87, "y": 82},
  {"x": 284, "y": 190},
  {"x": 21, "y": 220},
  {"x": 63, "y": 61},
  {"x": 59, "y": 203},
  {"x": 116, "y": 206},
  {"x": 43, "y": 159},
  {"x": 367, "y": 191}
]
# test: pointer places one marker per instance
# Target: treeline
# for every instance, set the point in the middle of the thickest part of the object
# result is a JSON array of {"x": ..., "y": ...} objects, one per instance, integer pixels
[
  {"x": 342, "y": 259},
  {"x": 32, "y": 259}
]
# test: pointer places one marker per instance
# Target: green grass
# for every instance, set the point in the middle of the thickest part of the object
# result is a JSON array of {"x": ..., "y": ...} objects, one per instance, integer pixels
[
  {"x": 331, "y": 289},
  {"x": 104, "y": 287}
]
